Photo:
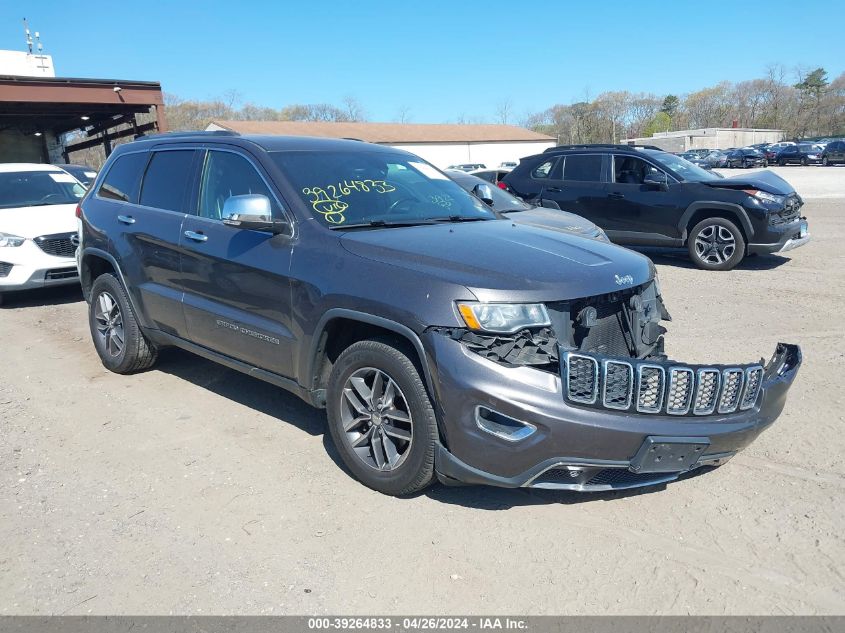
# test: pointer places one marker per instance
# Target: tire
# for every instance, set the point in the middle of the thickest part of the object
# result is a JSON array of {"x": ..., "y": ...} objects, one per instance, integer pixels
[
  {"x": 110, "y": 315},
  {"x": 782, "y": 163},
  {"x": 723, "y": 253},
  {"x": 411, "y": 468},
  {"x": 825, "y": 162},
  {"x": 805, "y": 162}
]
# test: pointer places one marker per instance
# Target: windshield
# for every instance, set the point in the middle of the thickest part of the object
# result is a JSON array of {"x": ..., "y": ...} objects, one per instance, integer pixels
[
  {"x": 357, "y": 188},
  {"x": 683, "y": 168},
  {"x": 38, "y": 188}
]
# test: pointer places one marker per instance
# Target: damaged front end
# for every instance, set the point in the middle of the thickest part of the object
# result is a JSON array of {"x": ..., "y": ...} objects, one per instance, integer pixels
[{"x": 590, "y": 400}]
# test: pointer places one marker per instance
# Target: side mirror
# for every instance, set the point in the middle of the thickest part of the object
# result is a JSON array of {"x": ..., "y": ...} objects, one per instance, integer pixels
[
  {"x": 484, "y": 193},
  {"x": 251, "y": 211},
  {"x": 657, "y": 179}
]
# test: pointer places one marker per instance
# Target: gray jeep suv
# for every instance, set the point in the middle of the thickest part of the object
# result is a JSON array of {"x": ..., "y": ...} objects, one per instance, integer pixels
[{"x": 442, "y": 340}]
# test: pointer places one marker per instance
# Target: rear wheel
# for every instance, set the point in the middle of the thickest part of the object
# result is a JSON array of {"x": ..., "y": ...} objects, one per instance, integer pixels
[
  {"x": 118, "y": 339},
  {"x": 716, "y": 244},
  {"x": 825, "y": 162},
  {"x": 782, "y": 162},
  {"x": 804, "y": 161},
  {"x": 381, "y": 419}
]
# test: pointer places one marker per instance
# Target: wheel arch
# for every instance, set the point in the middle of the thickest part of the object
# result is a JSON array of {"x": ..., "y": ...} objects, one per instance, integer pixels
[
  {"x": 699, "y": 211},
  {"x": 95, "y": 262},
  {"x": 339, "y": 328}
]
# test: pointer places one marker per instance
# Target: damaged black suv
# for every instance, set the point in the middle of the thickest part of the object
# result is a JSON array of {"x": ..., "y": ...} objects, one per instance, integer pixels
[
  {"x": 443, "y": 341},
  {"x": 643, "y": 196}
]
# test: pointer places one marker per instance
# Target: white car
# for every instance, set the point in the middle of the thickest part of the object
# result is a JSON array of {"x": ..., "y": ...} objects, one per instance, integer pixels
[{"x": 38, "y": 227}]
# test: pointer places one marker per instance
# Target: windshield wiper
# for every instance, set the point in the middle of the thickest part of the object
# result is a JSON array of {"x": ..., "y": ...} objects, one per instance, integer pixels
[
  {"x": 459, "y": 218},
  {"x": 378, "y": 224}
]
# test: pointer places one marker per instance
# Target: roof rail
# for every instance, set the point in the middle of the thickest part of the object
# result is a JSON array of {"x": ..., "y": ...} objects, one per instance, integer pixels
[
  {"x": 559, "y": 148},
  {"x": 187, "y": 134}
]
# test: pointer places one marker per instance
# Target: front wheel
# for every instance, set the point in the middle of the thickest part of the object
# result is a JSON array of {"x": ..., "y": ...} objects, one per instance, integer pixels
[
  {"x": 118, "y": 339},
  {"x": 716, "y": 244},
  {"x": 805, "y": 162},
  {"x": 380, "y": 418},
  {"x": 825, "y": 162},
  {"x": 782, "y": 163}
]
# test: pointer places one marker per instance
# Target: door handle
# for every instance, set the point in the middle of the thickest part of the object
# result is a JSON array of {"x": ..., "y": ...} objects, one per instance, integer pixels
[
  {"x": 197, "y": 237},
  {"x": 554, "y": 189},
  {"x": 615, "y": 195},
  {"x": 126, "y": 219}
]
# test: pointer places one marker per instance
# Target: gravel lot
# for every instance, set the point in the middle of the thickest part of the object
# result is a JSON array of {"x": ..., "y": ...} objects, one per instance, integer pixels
[{"x": 194, "y": 489}]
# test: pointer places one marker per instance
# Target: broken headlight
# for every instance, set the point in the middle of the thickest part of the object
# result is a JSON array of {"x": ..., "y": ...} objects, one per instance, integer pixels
[{"x": 503, "y": 318}]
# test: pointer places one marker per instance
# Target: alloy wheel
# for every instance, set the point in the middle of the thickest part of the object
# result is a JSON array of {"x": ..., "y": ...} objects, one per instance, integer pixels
[
  {"x": 715, "y": 244},
  {"x": 109, "y": 323},
  {"x": 376, "y": 419}
]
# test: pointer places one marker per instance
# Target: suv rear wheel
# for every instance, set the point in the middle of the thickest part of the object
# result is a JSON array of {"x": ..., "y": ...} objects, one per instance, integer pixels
[
  {"x": 121, "y": 345},
  {"x": 716, "y": 244},
  {"x": 825, "y": 161},
  {"x": 381, "y": 419}
]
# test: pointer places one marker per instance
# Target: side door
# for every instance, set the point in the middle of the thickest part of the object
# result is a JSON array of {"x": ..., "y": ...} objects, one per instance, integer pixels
[
  {"x": 640, "y": 212},
  {"x": 577, "y": 184},
  {"x": 146, "y": 233},
  {"x": 237, "y": 281}
]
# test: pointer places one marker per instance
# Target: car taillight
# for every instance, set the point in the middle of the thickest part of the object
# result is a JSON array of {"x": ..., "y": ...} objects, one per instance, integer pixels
[
  {"x": 79, "y": 211},
  {"x": 502, "y": 185}
]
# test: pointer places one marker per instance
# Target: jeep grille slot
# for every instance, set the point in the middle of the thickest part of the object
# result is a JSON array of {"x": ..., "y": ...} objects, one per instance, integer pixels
[
  {"x": 680, "y": 391},
  {"x": 706, "y": 392},
  {"x": 656, "y": 387},
  {"x": 618, "y": 384},
  {"x": 650, "y": 387},
  {"x": 753, "y": 382},
  {"x": 582, "y": 378}
]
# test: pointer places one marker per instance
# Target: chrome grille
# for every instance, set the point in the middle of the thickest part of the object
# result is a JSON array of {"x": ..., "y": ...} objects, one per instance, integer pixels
[
  {"x": 582, "y": 378},
  {"x": 59, "y": 245},
  {"x": 5, "y": 269},
  {"x": 658, "y": 387},
  {"x": 618, "y": 384},
  {"x": 706, "y": 392},
  {"x": 731, "y": 390},
  {"x": 753, "y": 382},
  {"x": 650, "y": 387},
  {"x": 680, "y": 390}
]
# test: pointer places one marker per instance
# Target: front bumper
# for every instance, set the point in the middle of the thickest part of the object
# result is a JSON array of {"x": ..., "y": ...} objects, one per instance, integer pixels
[
  {"x": 27, "y": 266},
  {"x": 784, "y": 238},
  {"x": 578, "y": 447}
]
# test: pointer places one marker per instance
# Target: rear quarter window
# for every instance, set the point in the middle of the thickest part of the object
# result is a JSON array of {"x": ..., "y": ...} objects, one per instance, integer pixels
[
  {"x": 121, "y": 180},
  {"x": 544, "y": 169}
]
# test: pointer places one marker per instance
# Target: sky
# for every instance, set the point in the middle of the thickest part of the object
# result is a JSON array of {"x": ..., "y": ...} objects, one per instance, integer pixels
[{"x": 436, "y": 61}]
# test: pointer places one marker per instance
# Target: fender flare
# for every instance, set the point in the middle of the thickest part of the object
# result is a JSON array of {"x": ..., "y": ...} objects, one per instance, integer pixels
[
  {"x": 97, "y": 252},
  {"x": 365, "y": 317},
  {"x": 735, "y": 209}
]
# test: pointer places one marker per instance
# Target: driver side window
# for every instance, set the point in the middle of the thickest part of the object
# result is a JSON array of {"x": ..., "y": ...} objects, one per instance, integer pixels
[
  {"x": 630, "y": 170},
  {"x": 225, "y": 175}
]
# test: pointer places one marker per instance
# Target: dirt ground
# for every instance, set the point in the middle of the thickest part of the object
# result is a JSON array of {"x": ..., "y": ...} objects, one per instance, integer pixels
[{"x": 194, "y": 489}]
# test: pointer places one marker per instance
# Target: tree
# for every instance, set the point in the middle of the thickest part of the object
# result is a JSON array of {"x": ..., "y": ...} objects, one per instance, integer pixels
[
  {"x": 812, "y": 88},
  {"x": 659, "y": 123},
  {"x": 503, "y": 111},
  {"x": 403, "y": 114},
  {"x": 670, "y": 106},
  {"x": 353, "y": 109}
]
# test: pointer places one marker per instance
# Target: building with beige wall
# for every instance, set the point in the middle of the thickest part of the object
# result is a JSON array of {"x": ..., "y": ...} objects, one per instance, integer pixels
[{"x": 708, "y": 138}]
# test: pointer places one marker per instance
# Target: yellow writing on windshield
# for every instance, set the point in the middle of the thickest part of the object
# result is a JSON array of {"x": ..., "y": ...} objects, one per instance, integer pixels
[{"x": 328, "y": 201}]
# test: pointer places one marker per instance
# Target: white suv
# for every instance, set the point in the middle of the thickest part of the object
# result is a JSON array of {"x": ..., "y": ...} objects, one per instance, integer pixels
[{"x": 38, "y": 227}]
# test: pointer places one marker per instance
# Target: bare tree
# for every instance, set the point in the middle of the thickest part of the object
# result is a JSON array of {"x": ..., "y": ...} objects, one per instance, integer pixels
[
  {"x": 504, "y": 110},
  {"x": 354, "y": 110},
  {"x": 403, "y": 114}
]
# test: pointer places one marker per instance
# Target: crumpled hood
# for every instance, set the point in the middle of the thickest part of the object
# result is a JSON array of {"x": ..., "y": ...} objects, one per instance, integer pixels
[
  {"x": 555, "y": 220},
  {"x": 499, "y": 260},
  {"x": 36, "y": 221},
  {"x": 762, "y": 180}
]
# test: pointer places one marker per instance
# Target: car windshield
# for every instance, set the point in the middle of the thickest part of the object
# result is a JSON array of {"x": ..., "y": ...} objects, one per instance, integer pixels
[
  {"x": 683, "y": 168},
  {"x": 362, "y": 188},
  {"x": 38, "y": 188}
]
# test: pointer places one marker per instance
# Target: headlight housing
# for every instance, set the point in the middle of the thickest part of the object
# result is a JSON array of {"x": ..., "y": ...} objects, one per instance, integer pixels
[
  {"x": 7, "y": 239},
  {"x": 765, "y": 196},
  {"x": 503, "y": 318}
]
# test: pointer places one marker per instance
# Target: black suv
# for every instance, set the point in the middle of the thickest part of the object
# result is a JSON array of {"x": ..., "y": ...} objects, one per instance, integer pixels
[
  {"x": 643, "y": 196},
  {"x": 441, "y": 340},
  {"x": 834, "y": 152}
]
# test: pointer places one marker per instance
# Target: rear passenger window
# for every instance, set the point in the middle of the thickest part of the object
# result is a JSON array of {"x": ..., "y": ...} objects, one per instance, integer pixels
[
  {"x": 583, "y": 167},
  {"x": 166, "y": 180},
  {"x": 543, "y": 169},
  {"x": 121, "y": 181}
]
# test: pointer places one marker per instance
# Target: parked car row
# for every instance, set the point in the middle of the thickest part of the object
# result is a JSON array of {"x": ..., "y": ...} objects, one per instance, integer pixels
[{"x": 451, "y": 330}]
